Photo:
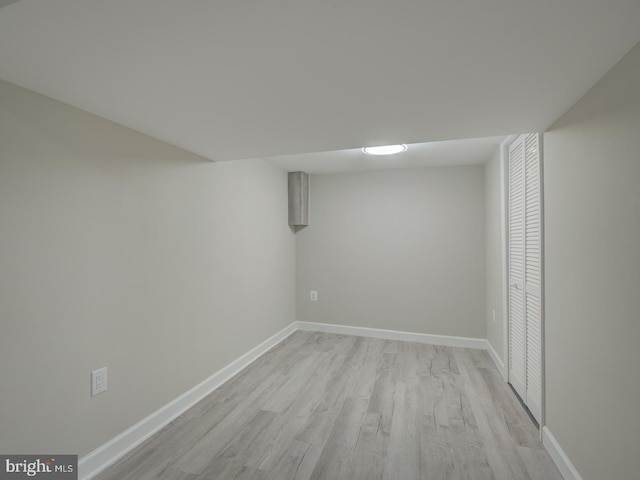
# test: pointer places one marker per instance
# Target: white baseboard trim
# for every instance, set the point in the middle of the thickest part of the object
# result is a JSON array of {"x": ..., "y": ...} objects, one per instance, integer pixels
[
  {"x": 445, "y": 340},
  {"x": 558, "y": 456},
  {"x": 103, "y": 456},
  {"x": 497, "y": 360}
]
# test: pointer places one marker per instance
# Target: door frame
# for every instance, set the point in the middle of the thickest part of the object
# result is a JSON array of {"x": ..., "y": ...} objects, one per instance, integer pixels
[{"x": 504, "y": 181}]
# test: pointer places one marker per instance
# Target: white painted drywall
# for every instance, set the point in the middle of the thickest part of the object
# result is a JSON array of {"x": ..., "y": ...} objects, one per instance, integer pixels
[
  {"x": 399, "y": 250},
  {"x": 494, "y": 255},
  {"x": 122, "y": 251},
  {"x": 592, "y": 242}
]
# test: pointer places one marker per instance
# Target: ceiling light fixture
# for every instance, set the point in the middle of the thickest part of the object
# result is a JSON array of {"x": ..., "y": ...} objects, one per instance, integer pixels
[{"x": 385, "y": 149}]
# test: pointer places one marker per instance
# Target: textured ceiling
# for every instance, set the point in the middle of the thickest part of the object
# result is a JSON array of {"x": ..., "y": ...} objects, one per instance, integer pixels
[
  {"x": 232, "y": 79},
  {"x": 4, "y": 3},
  {"x": 433, "y": 154}
]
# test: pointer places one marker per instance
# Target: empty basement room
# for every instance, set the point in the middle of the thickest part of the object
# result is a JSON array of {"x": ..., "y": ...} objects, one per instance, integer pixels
[{"x": 207, "y": 273}]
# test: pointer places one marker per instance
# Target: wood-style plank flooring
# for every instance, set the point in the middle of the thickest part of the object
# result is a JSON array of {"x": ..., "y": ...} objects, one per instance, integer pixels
[{"x": 325, "y": 406}]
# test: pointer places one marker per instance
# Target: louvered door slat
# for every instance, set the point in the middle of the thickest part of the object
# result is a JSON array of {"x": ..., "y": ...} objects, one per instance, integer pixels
[
  {"x": 534, "y": 347},
  {"x": 517, "y": 343},
  {"x": 525, "y": 271},
  {"x": 517, "y": 268},
  {"x": 533, "y": 279}
]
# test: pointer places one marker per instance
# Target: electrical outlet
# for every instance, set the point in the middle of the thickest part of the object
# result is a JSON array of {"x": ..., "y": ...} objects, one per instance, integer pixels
[
  {"x": 494, "y": 316},
  {"x": 98, "y": 381},
  {"x": 313, "y": 295}
]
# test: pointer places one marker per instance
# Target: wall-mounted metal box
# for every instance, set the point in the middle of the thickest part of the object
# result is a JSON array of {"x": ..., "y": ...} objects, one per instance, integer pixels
[{"x": 298, "y": 198}]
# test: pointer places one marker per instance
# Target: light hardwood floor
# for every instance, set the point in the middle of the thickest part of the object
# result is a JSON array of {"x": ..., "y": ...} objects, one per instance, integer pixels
[{"x": 324, "y": 406}]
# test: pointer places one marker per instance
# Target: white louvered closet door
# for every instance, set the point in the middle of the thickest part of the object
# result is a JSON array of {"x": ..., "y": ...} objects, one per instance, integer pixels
[{"x": 525, "y": 271}]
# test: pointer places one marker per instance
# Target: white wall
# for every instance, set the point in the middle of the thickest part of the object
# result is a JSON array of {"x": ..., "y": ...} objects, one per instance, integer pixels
[
  {"x": 401, "y": 250},
  {"x": 494, "y": 267},
  {"x": 119, "y": 250},
  {"x": 592, "y": 241}
]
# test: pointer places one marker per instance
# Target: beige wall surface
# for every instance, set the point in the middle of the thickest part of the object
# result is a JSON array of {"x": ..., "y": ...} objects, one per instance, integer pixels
[
  {"x": 494, "y": 266},
  {"x": 401, "y": 250},
  {"x": 592, "y": 214},
  {"x": 119, "y": 250}
]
